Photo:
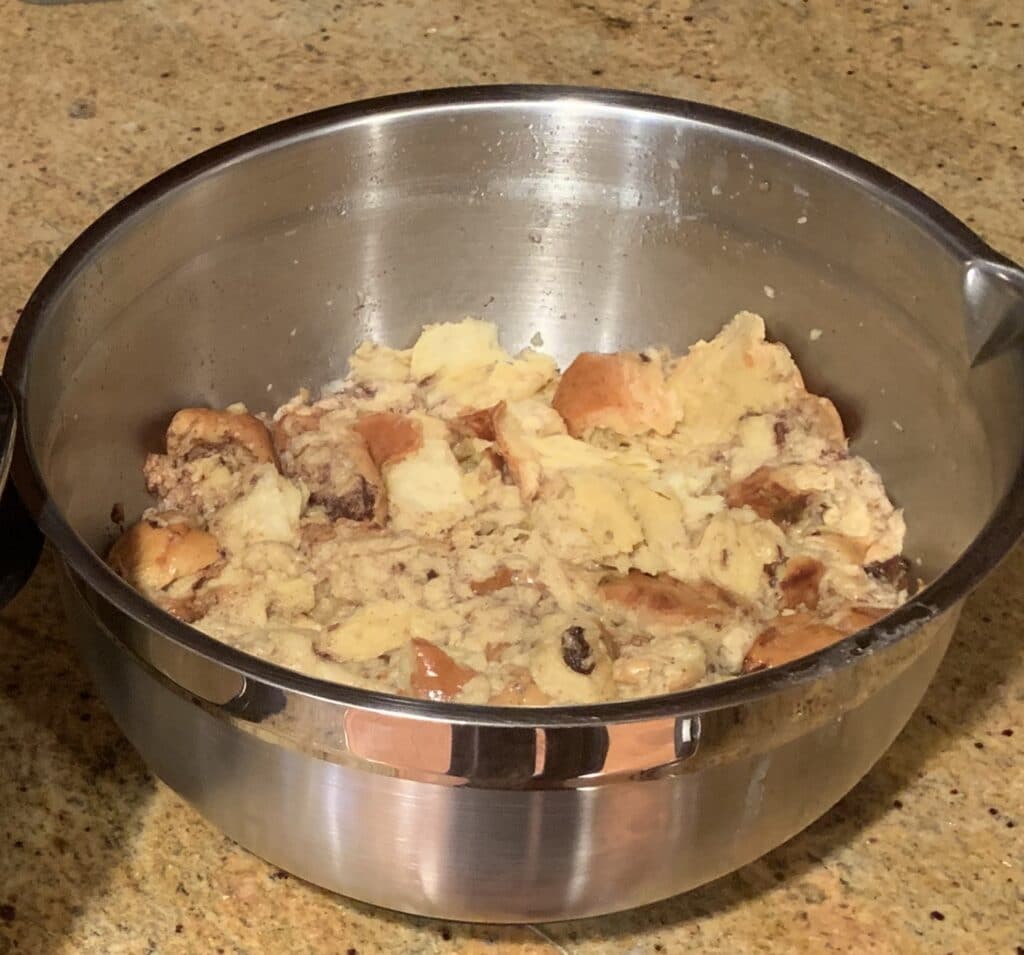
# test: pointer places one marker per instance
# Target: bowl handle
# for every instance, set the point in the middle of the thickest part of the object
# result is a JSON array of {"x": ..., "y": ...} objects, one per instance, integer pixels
[{"x": 994, "y": 295}]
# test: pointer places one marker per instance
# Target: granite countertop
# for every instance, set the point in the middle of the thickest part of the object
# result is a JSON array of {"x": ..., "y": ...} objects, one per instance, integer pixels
[{"x": 925, "y": 855}]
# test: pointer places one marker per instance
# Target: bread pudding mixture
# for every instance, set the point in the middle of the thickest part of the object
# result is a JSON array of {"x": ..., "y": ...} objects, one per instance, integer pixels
[{"x": 455, "y": 523}]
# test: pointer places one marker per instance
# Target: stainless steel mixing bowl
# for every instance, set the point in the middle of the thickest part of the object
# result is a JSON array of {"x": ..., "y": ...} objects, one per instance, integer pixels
[{"x": 601, "y": 220}]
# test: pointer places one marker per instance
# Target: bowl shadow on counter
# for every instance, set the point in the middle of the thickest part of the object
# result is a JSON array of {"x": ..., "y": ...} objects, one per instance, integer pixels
[{"x": 71, "y": 787}]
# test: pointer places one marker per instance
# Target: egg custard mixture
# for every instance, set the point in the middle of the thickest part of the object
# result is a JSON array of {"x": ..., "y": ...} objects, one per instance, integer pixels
[{"x": 455, "y": 523}]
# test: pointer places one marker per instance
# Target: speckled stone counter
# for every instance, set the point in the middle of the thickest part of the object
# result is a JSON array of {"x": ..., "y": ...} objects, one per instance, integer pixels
[{"x": 96, "y": 856}]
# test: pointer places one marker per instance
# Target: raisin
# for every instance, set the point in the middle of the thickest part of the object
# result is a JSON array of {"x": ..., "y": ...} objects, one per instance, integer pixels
[
  {"x": 781, "y": 430},
  {"x": 576, "y": 651},
  {"x": 895, "y": 570},
  {"x": 431, "y": 574},
  {"x": 356, "y": 505}
]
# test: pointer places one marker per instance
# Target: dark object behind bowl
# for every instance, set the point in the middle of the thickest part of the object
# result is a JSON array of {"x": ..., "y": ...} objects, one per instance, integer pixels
[{"x": 20, "y": 539}]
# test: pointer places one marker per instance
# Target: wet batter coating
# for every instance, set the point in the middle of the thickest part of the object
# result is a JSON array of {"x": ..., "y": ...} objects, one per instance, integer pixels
[{"x": 456, "y": 523}]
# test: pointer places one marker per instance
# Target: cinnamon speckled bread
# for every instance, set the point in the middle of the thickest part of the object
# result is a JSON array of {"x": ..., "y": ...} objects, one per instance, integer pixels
[{"x": 457, "y": 523}]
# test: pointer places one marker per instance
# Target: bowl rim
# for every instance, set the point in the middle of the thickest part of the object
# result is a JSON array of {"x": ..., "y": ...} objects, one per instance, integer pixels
[{"x": 992, "y": 543}]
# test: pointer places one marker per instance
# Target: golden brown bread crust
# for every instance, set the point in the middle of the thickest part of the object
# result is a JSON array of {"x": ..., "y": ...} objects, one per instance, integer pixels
[
  {"x": 151, "y": 556},
  {"x": 664, "y": 599},
  {"x": 769, "y": 496},
  {"x": 435, "y": 675},
  {"x": 390, "y": 437},
  {"x": 800, "y": 582},
  {"x": 503, "y": 577},
  {"x": 789, "y": 637},
  {"x": 623, "y": 392},
  {"x": 858, "y": 617},
  {"x": 478, "y": 424},
  {"x": 521, "y": 463},
  {"x": 796, "y": 635},
  {"x": 195, "y": 429}
]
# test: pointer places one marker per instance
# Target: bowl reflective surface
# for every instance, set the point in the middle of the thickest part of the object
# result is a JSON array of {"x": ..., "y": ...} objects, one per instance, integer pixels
[{"x": 600, "y": 220}]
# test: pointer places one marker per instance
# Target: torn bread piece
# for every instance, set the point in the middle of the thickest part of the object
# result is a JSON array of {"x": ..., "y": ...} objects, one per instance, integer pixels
[
  {"x": 460, "y": 366},
  {"x": 518, "y": 427},
  {"x": 624, "y": 392},
  {"x": 665, "y": 665},
  {"x": 330, "y": 456},
  {"x": 584, "y": 517},
  {"x": 735, "y": 374},
  {"x": 736, "y": 548},
  {"x": 787, "y": 638},
  {"x": 664, "y": 600},
  {"x": 791, "y": 636},
  {"x": 390, "y": 437},
  {"x": 159, "y": 550},
  {"x": 422, "y": 476},
  {"x": 195, "y": 432},
  {"x": 209, "y": 458},
  {"x": 270, "y": 510}
]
